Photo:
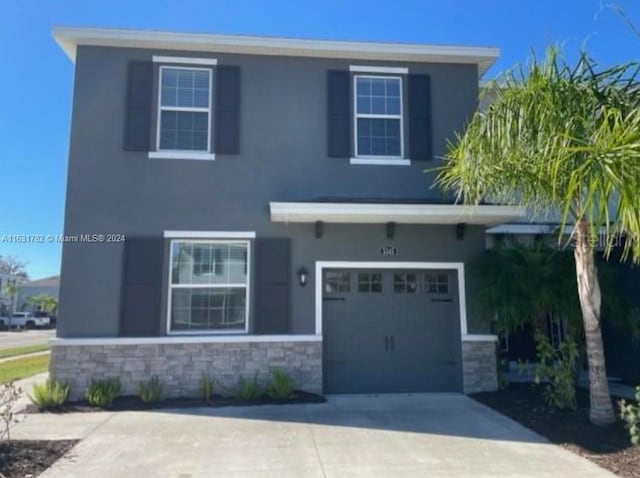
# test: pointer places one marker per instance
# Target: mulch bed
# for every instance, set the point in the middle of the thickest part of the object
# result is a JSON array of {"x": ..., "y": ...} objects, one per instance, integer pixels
[
  {"x": 27, "y": 458},
  {"x": 133, "y": 403},
  {"x": 607, "y": 446}
]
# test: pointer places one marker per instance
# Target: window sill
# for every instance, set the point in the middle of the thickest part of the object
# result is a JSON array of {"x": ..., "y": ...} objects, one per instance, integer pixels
[
  {"x": 381, "y": 161},
  {"x": 182, "y": 155},
  {"x": 209, "y": 332}
]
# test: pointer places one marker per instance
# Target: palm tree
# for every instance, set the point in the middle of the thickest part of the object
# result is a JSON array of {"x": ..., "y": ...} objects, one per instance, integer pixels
[
  {"x": 10, "y": 290},
  {"x": 49, "y": 304},
  {"x": 44, "y": 302},
  {"x": 562, "y": 139}
]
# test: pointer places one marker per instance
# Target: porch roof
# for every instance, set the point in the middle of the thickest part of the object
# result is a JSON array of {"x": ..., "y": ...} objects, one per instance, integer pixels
[{"x": 398, "y": 212}]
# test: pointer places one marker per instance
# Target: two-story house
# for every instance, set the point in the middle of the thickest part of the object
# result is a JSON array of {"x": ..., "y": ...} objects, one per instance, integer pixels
[{"x": 239, "y": 203}]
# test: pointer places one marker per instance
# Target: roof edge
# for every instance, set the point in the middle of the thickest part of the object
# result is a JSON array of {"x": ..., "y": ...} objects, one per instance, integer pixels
[{"x": 68, "y": 38}]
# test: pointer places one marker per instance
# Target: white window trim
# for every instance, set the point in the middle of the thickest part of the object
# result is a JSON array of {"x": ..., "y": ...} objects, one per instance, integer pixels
[
  {"x": 183, "y": 60},
  {"x": 379, "y": 69},
  {"x": 247, "y": 286},
  {"x": 357, "y": 115},
  {"x": 381, "y": 162},
  {"x": 166, "y": 154},
  {"x": 210, "y": 234},
  {"x": 457, "y": 266},
  {"x": 181, "y": 153}
]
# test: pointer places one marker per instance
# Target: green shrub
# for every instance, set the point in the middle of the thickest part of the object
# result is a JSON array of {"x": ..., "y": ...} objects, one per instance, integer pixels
[
  {"x": 49, "y": 394},
  {"x": 558, "y": 367},
  {"x": 247, "y": 389},
  {"x": 206, "y": 387},
  {"x": 630, "y": 413},
  {"x": 151, "y": 390},
  {"x": 101, "y": 393},
  {"x": 281, "y": 386}
]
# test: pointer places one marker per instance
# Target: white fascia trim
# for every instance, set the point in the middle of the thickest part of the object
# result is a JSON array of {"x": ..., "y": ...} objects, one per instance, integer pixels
[
  {"x": 479, "y": 338},
  {"x": 181, "y": 155},
  {"x": 70, "y": 37},
  {"x": 368, "y": 213},
  {"x": 379, "y": 69},
  {"x": 457, "y": 266},
  {"x": 183, "y": 60},
  {"x": 201, "y": 339},
  {"x": 381, "y": 161},
  {"x": 210, "y": 234}
]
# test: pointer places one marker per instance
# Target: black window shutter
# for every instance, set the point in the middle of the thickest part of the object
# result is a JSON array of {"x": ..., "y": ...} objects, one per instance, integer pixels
[
  {"x": 420, "y": 135},
  {"x": 339, "y": 114},
  {"x": 142, "y": 287},
  {"x": 272, "y": 285},
  {"x": 227, "y": 120},
  {"x": 137, "y": 131}
]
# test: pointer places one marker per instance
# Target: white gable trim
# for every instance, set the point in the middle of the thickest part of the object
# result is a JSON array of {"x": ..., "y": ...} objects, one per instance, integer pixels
[{"x": 70, "y": 37}]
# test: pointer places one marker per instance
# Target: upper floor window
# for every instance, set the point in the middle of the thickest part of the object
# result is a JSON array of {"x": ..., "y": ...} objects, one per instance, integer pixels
[
  {"x": 184, "y": 113},
  {"x": 378, "y": 116}
]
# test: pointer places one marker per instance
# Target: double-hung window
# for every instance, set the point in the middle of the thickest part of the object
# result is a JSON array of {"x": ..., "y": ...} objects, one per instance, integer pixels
[
  {"x": 208, "y": 286},
  {"x": 378, "y": 117},
  {"x": 184, "y": 112}
]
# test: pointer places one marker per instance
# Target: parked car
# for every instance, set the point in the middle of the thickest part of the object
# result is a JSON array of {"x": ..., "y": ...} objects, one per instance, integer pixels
[
  {"x": 52, "y": 318},
  {"x": 27, "y": 320}
]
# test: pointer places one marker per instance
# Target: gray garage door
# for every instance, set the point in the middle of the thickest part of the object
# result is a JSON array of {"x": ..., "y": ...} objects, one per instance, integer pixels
[{"x": 391, "y": 331}]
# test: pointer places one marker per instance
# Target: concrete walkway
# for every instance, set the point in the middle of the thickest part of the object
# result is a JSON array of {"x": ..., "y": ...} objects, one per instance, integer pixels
[
  {"x": 350, "y": 436},
  {"x": 17, "y": 357}
]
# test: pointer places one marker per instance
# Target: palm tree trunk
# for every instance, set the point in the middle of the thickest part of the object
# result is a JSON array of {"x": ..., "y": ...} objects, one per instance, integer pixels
[{"x": 601, "y": 409}]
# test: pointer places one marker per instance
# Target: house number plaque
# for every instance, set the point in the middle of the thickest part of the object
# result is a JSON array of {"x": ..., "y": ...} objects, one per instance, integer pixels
[{"x": 388, "y": 251}]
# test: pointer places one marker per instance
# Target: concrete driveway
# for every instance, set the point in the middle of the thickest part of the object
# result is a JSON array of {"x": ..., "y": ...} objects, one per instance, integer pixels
[{"x": 350, "y": 436}]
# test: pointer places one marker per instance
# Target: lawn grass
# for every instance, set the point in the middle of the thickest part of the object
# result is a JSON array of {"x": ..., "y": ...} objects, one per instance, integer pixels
[
  {"x": 26, "y": 349},
  {"x": 23, "y": 367}
]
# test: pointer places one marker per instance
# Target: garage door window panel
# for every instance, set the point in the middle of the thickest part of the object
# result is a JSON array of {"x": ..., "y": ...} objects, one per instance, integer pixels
[
  {"x": 369, "y": 282},
  {"x": 337, "y": 282},
  {"x": 436, "y": 283},
  {"x": 405, "y": 283}
]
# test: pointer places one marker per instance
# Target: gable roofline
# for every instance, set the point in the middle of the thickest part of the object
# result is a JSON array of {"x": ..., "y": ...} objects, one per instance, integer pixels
[
  {"x": 52, "y": 281},
  {"x": 68, "y": 38}
]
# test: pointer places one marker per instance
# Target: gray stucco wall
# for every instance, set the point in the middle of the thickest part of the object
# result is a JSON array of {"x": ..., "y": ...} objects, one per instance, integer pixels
[{"x": 283, "y": 157}]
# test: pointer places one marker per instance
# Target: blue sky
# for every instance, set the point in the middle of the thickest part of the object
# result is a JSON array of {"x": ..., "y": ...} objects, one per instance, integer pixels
[{"x": 35, "y": 90}]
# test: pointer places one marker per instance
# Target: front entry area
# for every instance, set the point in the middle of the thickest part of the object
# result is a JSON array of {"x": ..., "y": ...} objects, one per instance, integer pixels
[{"x": 391, "y": 330}]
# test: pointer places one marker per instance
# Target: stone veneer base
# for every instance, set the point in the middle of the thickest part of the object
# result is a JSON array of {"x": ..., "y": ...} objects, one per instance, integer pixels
[
  {"x": 180, "y": 366},
  {"x": 479, "y": 367}
]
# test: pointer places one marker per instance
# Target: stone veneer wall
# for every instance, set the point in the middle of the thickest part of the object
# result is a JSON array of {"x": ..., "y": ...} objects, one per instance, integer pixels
[
  {"x": 180, "y": 365},
  {"x": 479, "y": 367}
]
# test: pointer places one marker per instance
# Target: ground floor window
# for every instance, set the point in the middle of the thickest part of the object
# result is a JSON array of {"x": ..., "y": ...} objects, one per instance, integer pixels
[{"x": 208, "y": 286}]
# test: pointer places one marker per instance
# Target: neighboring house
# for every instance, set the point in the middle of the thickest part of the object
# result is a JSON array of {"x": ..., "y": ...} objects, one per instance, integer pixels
[
  {"x": 8, "y": 304},
  {"x": 262, "y": 202},
  {"x": 47, "y": 286}
]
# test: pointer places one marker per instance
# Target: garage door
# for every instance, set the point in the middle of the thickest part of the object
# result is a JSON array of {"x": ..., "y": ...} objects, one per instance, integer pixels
[{"x": 391, "y": 331}]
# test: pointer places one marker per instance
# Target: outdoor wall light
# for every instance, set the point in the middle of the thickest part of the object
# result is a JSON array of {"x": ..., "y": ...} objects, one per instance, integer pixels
[{"x": 302, "y": 276}]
